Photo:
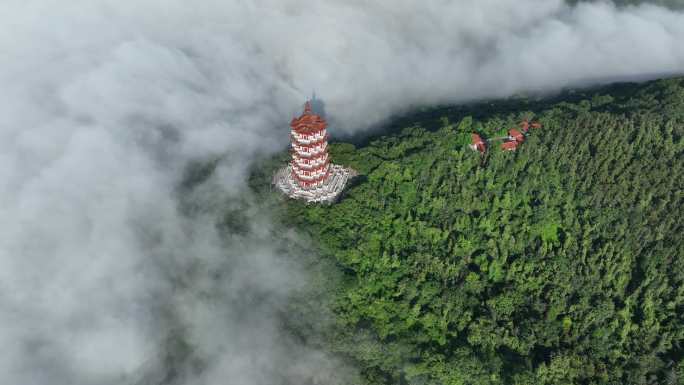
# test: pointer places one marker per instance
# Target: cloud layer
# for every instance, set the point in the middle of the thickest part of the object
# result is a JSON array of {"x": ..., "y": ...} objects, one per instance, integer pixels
[{"x": 104, "y": 103}]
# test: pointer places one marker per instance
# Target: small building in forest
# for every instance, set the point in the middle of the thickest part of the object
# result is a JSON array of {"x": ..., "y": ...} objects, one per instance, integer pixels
[
  {"x": 511, "y": 142},
  {"x": 478, "y": 144},
  {"x": 509, "y": 146},
  {"x": 516, "y": 135}
]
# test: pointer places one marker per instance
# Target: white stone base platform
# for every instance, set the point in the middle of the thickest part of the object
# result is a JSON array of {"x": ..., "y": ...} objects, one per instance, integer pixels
[{"x": 328, "y": 192}]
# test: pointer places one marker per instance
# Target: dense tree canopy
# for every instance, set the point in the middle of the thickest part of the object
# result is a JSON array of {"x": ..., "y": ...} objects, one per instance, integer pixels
[{"x": 560, "y": 263}]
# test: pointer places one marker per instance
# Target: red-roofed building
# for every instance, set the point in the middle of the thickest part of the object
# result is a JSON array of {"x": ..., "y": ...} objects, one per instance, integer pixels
[
  {"x": 516, "y": 135},
  {"x": 478, "y": 144},
  {"x": 509, "y": 146},
  {"x": 525, "y": 125}
]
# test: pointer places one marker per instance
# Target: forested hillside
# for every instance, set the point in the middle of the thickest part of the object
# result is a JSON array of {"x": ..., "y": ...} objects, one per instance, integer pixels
[{"x": 560, "y": 263}]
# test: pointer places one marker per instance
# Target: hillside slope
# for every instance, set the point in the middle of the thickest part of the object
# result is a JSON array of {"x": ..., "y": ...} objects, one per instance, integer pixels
[{"x": 560, "y": 263}]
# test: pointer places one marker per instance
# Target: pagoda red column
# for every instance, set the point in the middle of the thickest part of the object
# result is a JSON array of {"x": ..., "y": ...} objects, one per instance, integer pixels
[{"x": 310, "y": 163}]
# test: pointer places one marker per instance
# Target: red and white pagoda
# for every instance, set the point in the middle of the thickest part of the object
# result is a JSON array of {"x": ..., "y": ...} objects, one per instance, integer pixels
[{"x": 310, "y": 175}]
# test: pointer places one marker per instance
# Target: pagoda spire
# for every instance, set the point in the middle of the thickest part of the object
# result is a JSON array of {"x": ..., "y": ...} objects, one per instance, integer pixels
[{"x": 307, "y": 107}]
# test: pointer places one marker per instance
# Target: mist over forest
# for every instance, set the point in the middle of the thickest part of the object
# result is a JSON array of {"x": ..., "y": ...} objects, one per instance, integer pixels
[{"x": 140, "y": 243}]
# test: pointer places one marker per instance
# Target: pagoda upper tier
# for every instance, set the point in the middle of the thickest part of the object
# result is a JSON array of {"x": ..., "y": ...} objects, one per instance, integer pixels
[{"x": 308, "y": 122}]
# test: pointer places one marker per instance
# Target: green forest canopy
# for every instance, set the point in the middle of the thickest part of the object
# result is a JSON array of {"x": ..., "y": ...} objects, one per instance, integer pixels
[{"x": 560, "y": 263}]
